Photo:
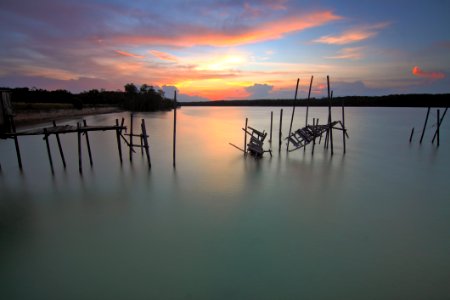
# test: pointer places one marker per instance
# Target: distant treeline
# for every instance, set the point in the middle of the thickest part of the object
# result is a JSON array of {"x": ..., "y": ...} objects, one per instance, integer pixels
[
  {"x": 146, "y": 98},
  {"x": 411, "y": 100}
]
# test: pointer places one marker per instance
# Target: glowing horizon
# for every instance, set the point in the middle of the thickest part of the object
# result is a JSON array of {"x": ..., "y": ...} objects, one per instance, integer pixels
[{"x": 212, "y": 50}]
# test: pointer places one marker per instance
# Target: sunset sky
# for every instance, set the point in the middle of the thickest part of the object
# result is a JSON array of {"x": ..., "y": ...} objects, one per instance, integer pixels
[{"x": 227, "y": 49}]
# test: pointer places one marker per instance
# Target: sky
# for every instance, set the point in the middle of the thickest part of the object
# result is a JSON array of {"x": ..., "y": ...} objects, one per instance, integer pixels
[{"x": 222, "y": 50}]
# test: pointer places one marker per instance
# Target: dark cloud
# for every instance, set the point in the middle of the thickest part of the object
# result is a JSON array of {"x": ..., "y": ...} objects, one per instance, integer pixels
[
  {"x": 259, "y": 91},
  {"x": 169, "y": 91}
]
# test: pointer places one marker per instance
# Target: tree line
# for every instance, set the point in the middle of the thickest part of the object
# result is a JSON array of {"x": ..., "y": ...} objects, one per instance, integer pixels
[
  {"x": 144, "y": 98},
  {"x": 406, "y": 100}
]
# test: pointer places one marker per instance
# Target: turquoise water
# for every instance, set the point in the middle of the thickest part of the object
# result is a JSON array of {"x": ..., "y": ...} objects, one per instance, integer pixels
[{"x": 370, "y": 224}]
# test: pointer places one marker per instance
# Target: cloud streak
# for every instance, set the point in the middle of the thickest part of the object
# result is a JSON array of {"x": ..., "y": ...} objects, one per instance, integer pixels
[
  {"x": 163, "y": 55},
  {"x": 191, "y": 35},
  {"x": 128, "y": 54},
  {"x": 416, "y": 71},
  {"x": 352, "y": 36}
]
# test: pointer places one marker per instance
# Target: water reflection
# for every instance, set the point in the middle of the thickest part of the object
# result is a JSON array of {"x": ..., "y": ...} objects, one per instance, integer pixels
[{"x": 224, "y": 224}]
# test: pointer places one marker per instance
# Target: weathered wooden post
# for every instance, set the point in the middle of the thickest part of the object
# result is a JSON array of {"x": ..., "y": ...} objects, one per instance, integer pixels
[
  {"x": 307, "y": 102},
  {"x": 16, "y": 143},
  {"x": 80, "y": 164},
  {"x": 330, "y": 97},
  {"x": 344, "y": 130},
  {"x": 61, "y": 153},
  {"x": 119, "y": 146},
  {"x": 411, "y": 136},
  {"x": 314, "y": 139},
  {"x": 245, "y": 137},
  {"x": 271, "y": 124},
  {"x": 424, "y": 125},
  {"x": 48, "y": 150},
  {"x": 440, "y": 123},
  {"x": 145, "y": 141},
  {"x": 293, "y": 112},
  {"x": 174, "y": 127},
  {"x": 131, "y": 137},
  {"x": 279, "y": 132},
  {"x": 88, "y": 144}
]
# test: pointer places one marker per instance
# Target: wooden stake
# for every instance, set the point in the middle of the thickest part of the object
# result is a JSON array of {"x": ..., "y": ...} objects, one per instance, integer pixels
[
  {"x": 174, "y": 127},
  {"x": 279, "y": 133},
  {"x": 293, "y": 111},
  {"x": 48, "y": 150},
  {"x": 411, "y": 136},
  {"x": 131, "y": 137},
  {"x": 424, "y": 125},
  {"x": 245, "y": 137},
  {"x": 88, "y": 144},
  {"x": 119, "y": 146},
  {"x": 271, "y": 123},
  {"x": 314, "y": 139},
  {"x": 60, "y": 147},
  {"x": 80, "y": 165},
  {"x": 307, "y": 103},
  {"x": 344, "y": 130},
  {"x": 142, "y": 144},
  {"x": 330, "y": 97},
  {"x": 440, "y": 123},
  {"x": 144, "y": 138},
  {"x": 16, "y": 143}
]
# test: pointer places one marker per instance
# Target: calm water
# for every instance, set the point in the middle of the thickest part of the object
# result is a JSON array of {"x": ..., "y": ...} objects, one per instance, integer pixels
[{"x": 371, "y": 224}]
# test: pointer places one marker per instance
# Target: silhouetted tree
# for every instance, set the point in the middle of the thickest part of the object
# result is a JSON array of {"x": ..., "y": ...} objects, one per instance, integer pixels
[{"x": 131, "y": 88}]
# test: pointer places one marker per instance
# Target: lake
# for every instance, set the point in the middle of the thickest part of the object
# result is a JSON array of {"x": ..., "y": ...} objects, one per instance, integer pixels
[{"x": 371, "y": 224}]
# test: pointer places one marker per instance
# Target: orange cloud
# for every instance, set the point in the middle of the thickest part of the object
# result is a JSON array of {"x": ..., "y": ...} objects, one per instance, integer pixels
[
  {"x": 349, "y": 53},
  {"x": 128, "y": 54},
  {"x": 163, "y": 55},
  {"x": 352, "y": 36},
  {"x": 431, "y": 75},
  {"x": 258, "y": 33}
]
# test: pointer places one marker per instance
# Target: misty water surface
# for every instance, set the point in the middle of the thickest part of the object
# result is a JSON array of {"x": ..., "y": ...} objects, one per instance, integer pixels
[{"x": 370, "y": 224}]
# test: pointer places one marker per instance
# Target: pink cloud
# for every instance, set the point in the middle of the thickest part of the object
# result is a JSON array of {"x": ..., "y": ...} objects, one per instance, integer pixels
[
  {"x": 163, "y": 55},
  {"x": 349, "y": 53},
  {"x": 352, "y": 35},
  {"x": 269, "y": 30},
  {"x": 128, "y": 54},
  {"x": 416, "y": 71}
]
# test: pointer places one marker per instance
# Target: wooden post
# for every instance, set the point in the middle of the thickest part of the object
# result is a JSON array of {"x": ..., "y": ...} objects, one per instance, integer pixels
[
  {"x": 88, "y": 144},
  {"x": 330, "y": 97},
  {"x": 16, "y": 143},
  {"x": 344, "y": 130},
  {"x": 144, "y": 138},
  {"x": 307, "y": 103},
  {"x": 61, "y": 153},
  {"x": 424, "y": 125},
  {"x": 271, "y": 124},
  {"x": 119, "y": 146},
  {"x": 131, "y": 137},
  {"x": 245, "y": 137},
  {"x": 440, "y": 123},
  {"x": 142, "y": 144},
  {"x": 279, "y": 132},
  {"x": 293, "y": 111},
  {"x": 80, "y": 164},
  {"x": 174, "y": 127},
  {"x": 48, "y": 150},
  {"x": 411, "y": 136},
  {"x": 314, "y": 139}
]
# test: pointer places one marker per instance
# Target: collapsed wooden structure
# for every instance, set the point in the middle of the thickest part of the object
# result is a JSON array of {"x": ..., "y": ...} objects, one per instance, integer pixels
[
  {"x": 304, "y": 136},
  {"x": 256, "y": 143}
]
